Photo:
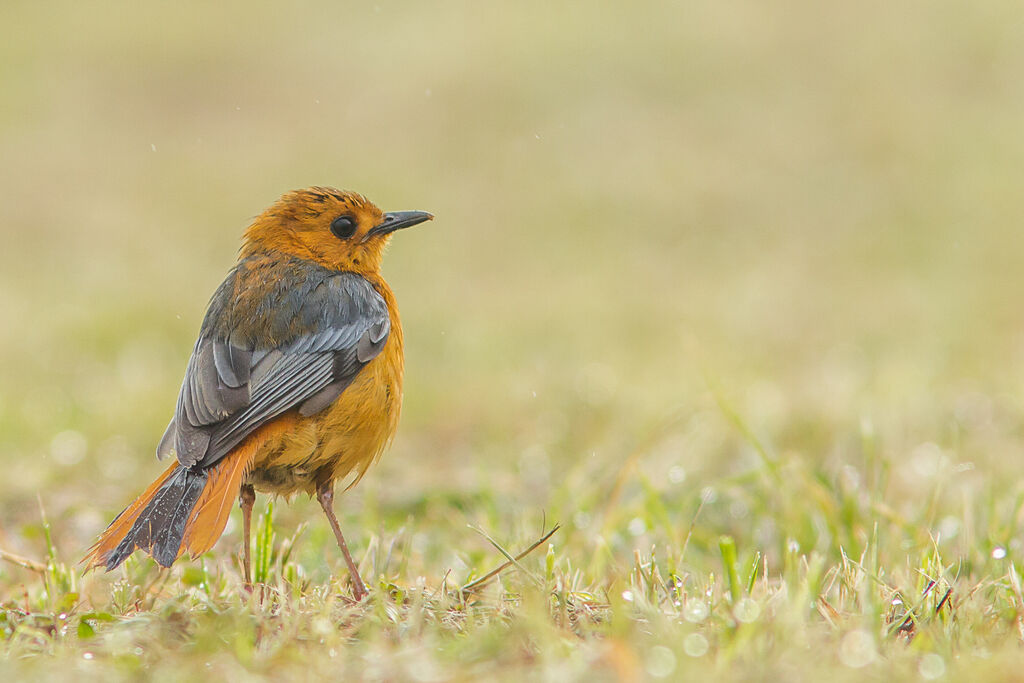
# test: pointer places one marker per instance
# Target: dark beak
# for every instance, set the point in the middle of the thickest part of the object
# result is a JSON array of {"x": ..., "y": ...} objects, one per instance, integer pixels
[{"x": 396, "y": 220}]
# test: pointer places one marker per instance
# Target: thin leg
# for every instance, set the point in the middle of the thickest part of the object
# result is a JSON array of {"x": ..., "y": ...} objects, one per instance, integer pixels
[
  {"x": 246, "y": 498},
  {"x": 325, "y": 494}
]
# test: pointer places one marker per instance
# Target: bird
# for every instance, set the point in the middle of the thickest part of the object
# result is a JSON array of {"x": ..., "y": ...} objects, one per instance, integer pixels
[{"x": 294, "y": 382}]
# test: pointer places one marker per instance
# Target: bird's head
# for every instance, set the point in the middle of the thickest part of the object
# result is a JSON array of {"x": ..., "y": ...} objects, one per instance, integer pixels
[{"x": 337, "y": 229}]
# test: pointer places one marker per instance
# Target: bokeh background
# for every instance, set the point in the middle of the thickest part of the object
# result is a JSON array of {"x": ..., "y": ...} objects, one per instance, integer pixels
[{"x": 658, "y": 225}]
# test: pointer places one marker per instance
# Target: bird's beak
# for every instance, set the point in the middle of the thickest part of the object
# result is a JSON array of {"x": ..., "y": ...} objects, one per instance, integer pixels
[{"x": 396, "y": 220}]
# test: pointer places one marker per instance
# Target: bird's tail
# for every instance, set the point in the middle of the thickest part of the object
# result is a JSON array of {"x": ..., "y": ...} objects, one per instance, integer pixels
[{"x": 184, "y": 510}]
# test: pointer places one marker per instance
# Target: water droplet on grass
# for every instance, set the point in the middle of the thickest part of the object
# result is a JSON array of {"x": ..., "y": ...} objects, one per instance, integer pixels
[
  {"x": 661, "y": 661},
  {"x": 695, "y": 645},
  {"x": 696, "y": 611},
  {"x": 746, "y": 610}
]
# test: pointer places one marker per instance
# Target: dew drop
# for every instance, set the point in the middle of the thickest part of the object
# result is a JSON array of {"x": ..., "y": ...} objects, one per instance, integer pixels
[
  {"x": 746, "y": 610},
  {"x": 696, "y": 611},
  {"x": 661, "y": 662},
  {"x": 695, "y": 645}
]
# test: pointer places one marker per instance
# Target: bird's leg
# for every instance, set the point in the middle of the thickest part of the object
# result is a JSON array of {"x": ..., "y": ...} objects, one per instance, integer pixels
[
  {"x": 325, "y": 494},
  {"x": 246, "y": 498}
]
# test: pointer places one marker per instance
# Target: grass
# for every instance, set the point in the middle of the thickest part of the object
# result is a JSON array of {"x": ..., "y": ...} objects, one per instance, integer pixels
[
  {"x": 810, "y": 566},
  {"x": 786, "y": 569},
  {"x": 727, "y": 292}
]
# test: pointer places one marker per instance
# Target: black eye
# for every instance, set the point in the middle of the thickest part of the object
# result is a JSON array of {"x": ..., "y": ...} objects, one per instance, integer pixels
[{"x": 343, "y": 227}]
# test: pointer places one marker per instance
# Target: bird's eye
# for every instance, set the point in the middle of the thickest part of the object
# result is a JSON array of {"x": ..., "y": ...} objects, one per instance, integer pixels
[{"x": 343, "y": 227}]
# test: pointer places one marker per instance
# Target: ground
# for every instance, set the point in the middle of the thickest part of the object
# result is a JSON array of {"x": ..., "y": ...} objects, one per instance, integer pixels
[{"x": 726, "y": 291}]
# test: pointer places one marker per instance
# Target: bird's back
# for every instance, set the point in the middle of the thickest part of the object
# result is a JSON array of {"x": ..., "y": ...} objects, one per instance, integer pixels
[{"x": 348, "y": 436}]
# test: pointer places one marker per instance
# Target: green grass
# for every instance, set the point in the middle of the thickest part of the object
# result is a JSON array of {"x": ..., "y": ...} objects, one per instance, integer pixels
[
  {"x": 727, "y": 291},
  {"x": 822, "y": 573}
]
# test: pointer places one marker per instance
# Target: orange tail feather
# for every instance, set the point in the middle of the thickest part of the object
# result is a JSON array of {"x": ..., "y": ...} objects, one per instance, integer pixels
[
  {"x": 184, "y": 510},
  {"x": 210, "y": 515},
  {"x": 211, "y": 512},
  {"x": 122, "y": 524}
]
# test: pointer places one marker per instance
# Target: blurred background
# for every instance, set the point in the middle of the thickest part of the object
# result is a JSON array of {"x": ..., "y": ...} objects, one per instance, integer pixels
[{"x": 657, "y": 224}]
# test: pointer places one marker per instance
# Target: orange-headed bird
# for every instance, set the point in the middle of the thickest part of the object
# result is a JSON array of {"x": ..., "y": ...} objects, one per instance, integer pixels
[{"x": 295, "y": 380}]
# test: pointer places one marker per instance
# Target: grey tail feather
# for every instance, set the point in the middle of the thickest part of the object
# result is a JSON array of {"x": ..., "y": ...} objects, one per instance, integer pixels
[{"x": 160, "y": 527}]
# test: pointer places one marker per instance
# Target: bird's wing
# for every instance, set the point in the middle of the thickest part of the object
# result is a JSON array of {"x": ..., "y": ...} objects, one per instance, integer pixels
[{"x": 230, "y": 390}]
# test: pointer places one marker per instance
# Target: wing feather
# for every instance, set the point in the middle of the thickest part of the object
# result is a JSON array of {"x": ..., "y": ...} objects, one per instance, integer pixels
[{"x": 230, "y": 389}]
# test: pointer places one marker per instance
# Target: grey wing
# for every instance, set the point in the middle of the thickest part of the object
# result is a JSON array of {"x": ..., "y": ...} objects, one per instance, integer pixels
[{"x": 230, "y": 391}]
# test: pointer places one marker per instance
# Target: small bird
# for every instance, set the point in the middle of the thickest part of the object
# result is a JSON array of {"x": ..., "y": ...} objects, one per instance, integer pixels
[{"x": 294, "y": 383}]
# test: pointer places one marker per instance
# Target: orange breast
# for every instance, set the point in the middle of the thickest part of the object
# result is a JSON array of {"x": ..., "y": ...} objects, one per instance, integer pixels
[{"x": 347, "y": 437}]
